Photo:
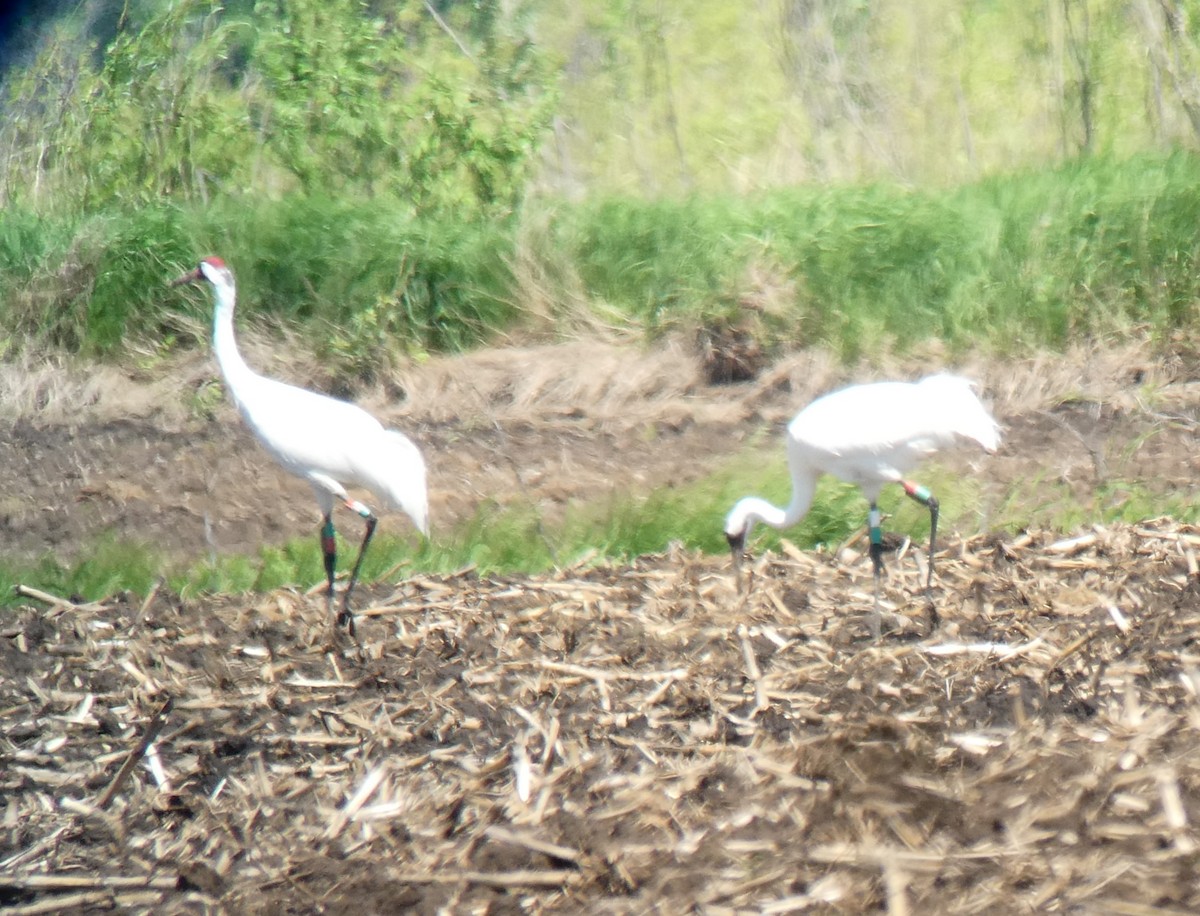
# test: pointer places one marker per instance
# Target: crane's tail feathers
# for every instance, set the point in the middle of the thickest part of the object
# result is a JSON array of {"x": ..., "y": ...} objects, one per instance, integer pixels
[
  {"x": 962, "y": 410},
  {"x": 400, "y": 479}
]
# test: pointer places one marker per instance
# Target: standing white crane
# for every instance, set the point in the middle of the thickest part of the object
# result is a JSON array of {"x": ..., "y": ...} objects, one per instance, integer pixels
[
  {"x": 870, "y": 435},
  {"x": 330, "y": 443}
]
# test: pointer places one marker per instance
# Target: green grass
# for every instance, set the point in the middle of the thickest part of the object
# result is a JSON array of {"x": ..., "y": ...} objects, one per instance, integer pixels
[
  {"x": 1098, "y": 248},
  {"x": 111, "y": 566},
  {"x": 356, "y": 271},
  {"x": 1034, "y": 504},
  {"x": 515, "y": 539}
]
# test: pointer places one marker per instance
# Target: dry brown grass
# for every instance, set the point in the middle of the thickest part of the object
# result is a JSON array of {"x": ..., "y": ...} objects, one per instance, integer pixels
[
  {"x": 626, "y": 740},
  {"x": 606, "y": 377}
]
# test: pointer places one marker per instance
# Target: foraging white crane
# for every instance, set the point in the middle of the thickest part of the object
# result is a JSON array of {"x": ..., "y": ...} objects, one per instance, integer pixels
[
  {"x": 869, "y": 435},
  {"x": 330, "y": 443}
]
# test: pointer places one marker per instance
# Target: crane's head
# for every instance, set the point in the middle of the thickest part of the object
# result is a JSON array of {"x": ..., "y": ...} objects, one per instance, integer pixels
[
  {"x": 738, "y": 523},
  {"x": 212, "y": 269},
  {"x": 737, "y": 548}
]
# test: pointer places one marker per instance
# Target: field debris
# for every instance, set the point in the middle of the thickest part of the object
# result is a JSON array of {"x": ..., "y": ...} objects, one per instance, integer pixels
[{"x": 624, "y": 739}]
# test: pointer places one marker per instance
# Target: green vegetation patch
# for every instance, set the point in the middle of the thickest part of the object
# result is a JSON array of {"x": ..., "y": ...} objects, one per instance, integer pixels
[
  {"x": 512, "y": 539},
  {"x": 1097, "y": 249},
  {"x": 1094, "y": 248}
]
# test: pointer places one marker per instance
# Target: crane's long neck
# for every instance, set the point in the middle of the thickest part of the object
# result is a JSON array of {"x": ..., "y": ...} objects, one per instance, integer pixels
[
  {"x": 753, "y": 509},
  {"x": 233, "y": 367}
]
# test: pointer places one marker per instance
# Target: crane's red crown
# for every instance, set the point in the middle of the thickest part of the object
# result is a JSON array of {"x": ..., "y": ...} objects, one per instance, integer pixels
[{"x": 213, "y": 260}]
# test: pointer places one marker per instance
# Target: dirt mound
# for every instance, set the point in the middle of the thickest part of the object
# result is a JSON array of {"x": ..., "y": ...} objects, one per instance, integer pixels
[{"x": 625, "y": 739}]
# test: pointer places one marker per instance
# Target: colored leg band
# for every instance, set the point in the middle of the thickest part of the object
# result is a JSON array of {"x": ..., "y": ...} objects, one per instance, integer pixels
[
  {"x": 328, "y": 543},
  {"x": 919, "y": 493},
  {"x": 874, "y": 520},
  {"x": 355, "y": 506}
]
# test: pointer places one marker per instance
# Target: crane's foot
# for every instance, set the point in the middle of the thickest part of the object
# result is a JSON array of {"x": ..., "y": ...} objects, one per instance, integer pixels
[
  {"x": 342, "y": 620},
  {"x": 931, "y": 611},
  {"x": 345, "y": 621},
  {"x": 932, "y": 615},
  {"x": 876, "y": 619},
  {"x": 343, "y": 627},
  {"x": 877, "y": 549},
  {"x": 876, "y": 623}
]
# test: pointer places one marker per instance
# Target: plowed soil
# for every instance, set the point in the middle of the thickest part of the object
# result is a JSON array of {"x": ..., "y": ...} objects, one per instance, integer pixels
[{"x": 623, "y": 739}]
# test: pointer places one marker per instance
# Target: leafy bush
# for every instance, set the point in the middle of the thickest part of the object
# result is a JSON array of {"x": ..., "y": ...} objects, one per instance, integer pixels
[
  {"x": 194, "y": 104},
  {"x": 1100, "y": 248}
]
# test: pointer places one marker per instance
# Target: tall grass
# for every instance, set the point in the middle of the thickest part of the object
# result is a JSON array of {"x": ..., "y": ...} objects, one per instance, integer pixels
[
  {"x": 319, "y": 258},
  {"x": 1096, "y": 248},
  {"x": 309, "y": 261}
]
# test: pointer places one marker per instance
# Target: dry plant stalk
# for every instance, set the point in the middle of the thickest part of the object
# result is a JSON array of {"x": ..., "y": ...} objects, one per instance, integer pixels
[{"x": 626, "y": 739}]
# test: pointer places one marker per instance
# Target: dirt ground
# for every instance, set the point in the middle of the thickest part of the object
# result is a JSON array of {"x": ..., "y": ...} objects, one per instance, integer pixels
[
  {"x": 633, "y": 739},
  {"x": 161, "y": 457}
]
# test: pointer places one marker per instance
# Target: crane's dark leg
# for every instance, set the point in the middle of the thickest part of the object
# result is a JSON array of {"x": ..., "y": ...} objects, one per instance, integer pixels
[
  {"x": 876, "y": 533},
  {"x": 925, "y": 498},
  {"x": 346, "y": 617},
  {"x": 329, "y": 552}
]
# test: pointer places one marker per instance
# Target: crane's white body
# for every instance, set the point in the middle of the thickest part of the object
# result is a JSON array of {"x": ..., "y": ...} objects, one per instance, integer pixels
[
  {"x": 869, "y": 435},
  {"x": 328, "y": 442}
]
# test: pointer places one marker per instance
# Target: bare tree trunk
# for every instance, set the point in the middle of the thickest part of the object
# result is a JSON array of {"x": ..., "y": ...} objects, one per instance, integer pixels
[
  {"x": 656, "y": 78},
  {"x": 826, "y": 58},
  {"x": 1057, "y": 74},
  {"x": 1173, "y": 53},
  {"x": 672, "y": 115},
  {"x": 1079, "y": 46},
  {"x": 1158, "y": 124},
  {"x": 964, "y": 117}
]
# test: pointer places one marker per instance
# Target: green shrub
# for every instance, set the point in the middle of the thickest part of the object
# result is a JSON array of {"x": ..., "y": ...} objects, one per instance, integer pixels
[
  {"x": 1092, "y": 248},
  {"x": 1096, "y": 249}
]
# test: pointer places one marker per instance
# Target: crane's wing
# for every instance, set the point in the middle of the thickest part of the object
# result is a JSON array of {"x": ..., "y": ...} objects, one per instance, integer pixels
[
  {"x": 897, "y": 421},
  {"x": 952, "y": 400},
  {"x": 306, "y": 432},
  {"x": 395, "y": 471}
]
